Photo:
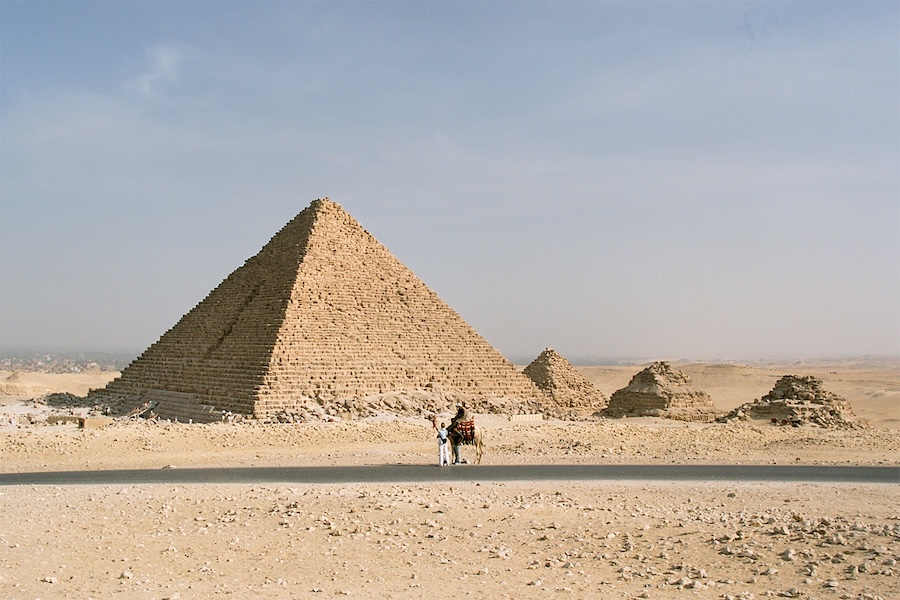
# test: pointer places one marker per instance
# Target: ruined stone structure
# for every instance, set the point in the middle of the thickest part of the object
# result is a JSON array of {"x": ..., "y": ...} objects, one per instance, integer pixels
[
  {"x": 567, "y": 388},
  {"x": 660, "y": 391},
  {"x": 797, "y": 401},
  {"x": 323, "y": 313}
]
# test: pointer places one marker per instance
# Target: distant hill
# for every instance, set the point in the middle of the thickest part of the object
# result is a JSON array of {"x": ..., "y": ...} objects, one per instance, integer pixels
[{"x": 64, "y": 361}]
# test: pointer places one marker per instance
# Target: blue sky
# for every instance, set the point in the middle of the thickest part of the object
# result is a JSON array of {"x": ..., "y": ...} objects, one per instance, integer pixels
[{"x": 649, "y": 179}]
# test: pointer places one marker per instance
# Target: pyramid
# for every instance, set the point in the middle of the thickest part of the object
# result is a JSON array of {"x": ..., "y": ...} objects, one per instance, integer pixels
[
  {"x": 567, "y": 388},
  {"x": 325, "y": 313},
  {"x": 799, "y": 400},
  {"x": 661, "y": 391}
]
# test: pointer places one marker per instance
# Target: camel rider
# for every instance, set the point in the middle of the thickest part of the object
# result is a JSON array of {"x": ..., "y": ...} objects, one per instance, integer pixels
[{"x": 462, "y": 416}]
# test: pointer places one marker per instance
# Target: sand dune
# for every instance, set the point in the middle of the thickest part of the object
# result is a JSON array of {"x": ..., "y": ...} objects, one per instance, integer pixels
[{"x": 27, "y": 384}]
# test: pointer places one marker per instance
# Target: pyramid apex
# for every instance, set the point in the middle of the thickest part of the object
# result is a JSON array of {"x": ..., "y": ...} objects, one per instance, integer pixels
[
  {"x": 323, "y": 202},
  {"x": 550, "y": 354},
  {"x": 324, "y": 206}
]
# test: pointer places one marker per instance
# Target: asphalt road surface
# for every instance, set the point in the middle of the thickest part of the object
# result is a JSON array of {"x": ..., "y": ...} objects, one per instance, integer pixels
[{"x": 400, "y": 473}]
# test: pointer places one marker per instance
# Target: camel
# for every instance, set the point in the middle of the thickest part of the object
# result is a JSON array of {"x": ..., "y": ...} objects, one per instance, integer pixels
[{"x": 478, "y": 440}]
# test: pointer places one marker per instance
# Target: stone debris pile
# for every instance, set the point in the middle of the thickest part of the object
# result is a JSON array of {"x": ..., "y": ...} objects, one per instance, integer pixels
[
  {"x": 798, "y": 400},
  {"x": 51, "y": 408},
  {"x": 569, "y": 391},
  {"x": 322, "y": 312},
  {"x": 414, "y": 403},
  {"x": 66, "y": 401},
  {"x": 661, "y": 391}
]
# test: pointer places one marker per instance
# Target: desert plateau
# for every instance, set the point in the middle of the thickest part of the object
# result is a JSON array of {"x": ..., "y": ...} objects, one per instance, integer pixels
[{"x": 585, "y": 539}]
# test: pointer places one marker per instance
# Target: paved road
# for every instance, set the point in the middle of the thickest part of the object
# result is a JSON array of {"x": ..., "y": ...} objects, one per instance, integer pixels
[{"x": 431, "y": 474}]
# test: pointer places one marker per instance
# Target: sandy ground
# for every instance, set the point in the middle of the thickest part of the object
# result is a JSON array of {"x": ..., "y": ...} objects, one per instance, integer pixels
[{"x": 487, "y": 540}]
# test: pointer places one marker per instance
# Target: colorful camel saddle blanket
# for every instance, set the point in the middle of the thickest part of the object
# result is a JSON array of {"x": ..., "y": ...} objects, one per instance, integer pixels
[{"x": 466, "y": 431}]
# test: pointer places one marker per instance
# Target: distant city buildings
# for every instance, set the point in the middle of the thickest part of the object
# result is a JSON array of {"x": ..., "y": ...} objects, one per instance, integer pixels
[{"x": 64, "y": 362}]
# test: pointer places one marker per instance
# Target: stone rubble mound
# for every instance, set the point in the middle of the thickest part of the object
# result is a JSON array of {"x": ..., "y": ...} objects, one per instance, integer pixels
[
  {"x": 163, "y": 405},
  {"x": 569, "y": 390},
  {"x": 798, "y": 400},
  {"x": 661, "y": 391},
  {"x": 67, "y": 401},
  {"x": 414, "y": 403},
  {"x": 50, "y": 408}
]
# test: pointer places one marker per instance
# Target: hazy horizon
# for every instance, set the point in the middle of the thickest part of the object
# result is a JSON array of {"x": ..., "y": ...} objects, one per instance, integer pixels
[
  {"x": 127, "y": 355},
  {"x": 643, "y": 179}
]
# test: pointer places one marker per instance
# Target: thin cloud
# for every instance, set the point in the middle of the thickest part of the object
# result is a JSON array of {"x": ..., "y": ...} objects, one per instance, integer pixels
[{"x": 163, "y": 72}]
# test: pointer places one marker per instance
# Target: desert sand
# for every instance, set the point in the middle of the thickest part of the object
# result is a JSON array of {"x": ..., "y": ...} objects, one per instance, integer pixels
[{"x": 482, "y": 540}]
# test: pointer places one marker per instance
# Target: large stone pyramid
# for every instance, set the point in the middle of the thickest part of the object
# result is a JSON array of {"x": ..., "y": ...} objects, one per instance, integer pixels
[
  {"x": 322, "y": 313},
  {"x": 568, "y": 388}
]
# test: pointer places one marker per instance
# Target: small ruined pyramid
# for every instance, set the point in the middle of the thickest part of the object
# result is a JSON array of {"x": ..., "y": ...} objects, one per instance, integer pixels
[
  {"x": 567, "y": 388},
  {"x": 323, "y": 313},
  {"x": 798, "y": 401},
  {"x": 661, "y": 391}
]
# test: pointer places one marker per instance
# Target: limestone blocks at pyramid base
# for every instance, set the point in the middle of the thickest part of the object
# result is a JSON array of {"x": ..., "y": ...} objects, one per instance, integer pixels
[
  {"x": 175, "y": 406},
  {"x": 689, "y": 405},
  {"x": 415, "y": 403},
  {"x": 82, "y": 422},
  {"x": 166, "y": 405},
  {"x": 579, "y": 401},
  {"x": 797, "y": 413},
  {"x": 116, "y": 404},
  {"x": 196, "y": 408},
  {"x": 698, "y": 414},
  {"x": 553, "y": 410},
  {"x": 64, "y": 420},
  {"x": 95, "y": 422}
]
